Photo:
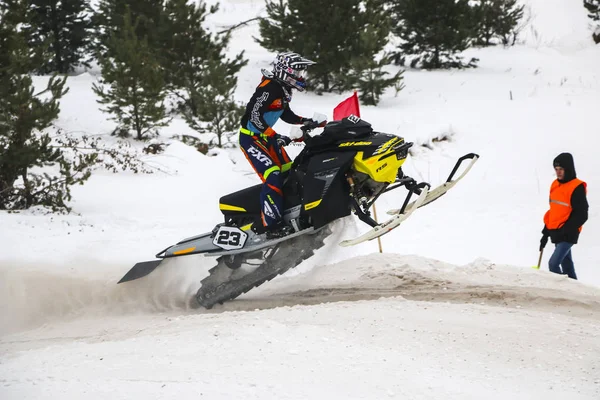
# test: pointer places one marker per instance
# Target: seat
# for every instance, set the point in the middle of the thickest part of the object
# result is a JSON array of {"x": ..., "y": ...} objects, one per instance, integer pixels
[{"x": 243, "y": 201}]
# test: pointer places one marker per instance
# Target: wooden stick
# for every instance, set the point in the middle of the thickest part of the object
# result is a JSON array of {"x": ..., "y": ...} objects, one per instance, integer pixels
[
  {"x": 539, "y": 260},
  {"x": 379, "y": 238}
]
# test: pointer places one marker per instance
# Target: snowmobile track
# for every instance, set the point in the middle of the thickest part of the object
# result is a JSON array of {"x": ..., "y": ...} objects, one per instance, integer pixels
[{"x": 219, "y": 286}]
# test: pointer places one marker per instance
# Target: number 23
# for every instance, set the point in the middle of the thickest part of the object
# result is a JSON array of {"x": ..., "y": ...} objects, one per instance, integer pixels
[{"x": 229, "y": 238}]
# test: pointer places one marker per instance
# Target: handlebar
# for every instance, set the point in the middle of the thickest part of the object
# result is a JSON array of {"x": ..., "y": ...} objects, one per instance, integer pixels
[{"x": 309, "y": 126}]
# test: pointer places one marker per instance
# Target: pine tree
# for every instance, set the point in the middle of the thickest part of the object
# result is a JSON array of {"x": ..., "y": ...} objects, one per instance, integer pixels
[
  {"x": 370, "y": 78},
  {"x": 593, "y": 7},
  {"x": 434, "y": 31},
  {"x": 372, "y": 81},
  {"x": 24, "y": 114},
  {"x": 485, "y": 15},
  {"x": 63, "y": 28},
  {"x": 136, "y": 89},
  {"x": 198, "y": 71},
  {"x": 330, "y": 33},
  {"x": 496, "y": 19},
  {"x": 508, "y": 28},
  {"x": 109, "y": 20},
  {"x": 211, "y": 108}
]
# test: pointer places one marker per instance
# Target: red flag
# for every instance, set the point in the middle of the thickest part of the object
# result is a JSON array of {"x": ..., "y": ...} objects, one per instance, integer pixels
[{"x": 346, "y": 108}]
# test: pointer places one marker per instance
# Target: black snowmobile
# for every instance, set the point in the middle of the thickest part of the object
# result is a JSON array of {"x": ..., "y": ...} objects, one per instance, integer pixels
[{"x": 343, "y": 170}]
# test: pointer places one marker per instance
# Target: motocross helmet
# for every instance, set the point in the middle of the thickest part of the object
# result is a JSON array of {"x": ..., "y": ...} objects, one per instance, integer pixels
[{"x": 290, "y": 69}]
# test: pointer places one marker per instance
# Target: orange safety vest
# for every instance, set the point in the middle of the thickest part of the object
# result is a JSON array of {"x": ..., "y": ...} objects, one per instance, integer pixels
[{"x": 560, "y": 203}]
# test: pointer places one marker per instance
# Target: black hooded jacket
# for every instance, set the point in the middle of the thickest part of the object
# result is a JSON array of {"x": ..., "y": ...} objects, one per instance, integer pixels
[{"x": 569, "y": 232}]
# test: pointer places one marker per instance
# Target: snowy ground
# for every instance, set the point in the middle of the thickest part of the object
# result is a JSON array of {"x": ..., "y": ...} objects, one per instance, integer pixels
[
  {"x": 478, "y": 331},
  {"x": 348, "y": 323}
]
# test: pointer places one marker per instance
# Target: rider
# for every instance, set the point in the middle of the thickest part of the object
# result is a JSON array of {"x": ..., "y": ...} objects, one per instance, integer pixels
[{"x": 262, "y": 146}]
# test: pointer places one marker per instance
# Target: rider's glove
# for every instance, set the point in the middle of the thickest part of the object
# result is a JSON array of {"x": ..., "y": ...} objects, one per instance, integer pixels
[
  {"x": 310, "y": 120},
  {"x": 282, "y": 141}
]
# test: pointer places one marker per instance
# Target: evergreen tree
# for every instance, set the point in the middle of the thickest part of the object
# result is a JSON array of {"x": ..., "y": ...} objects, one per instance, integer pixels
[
  {"x": 485, "y": 16},
  {"x": 496, "y": 19},
  {"x": 24, "y": 114},
  {"x": 212, "y": 108},
  {"x": 330, "y": 33},
  {"x": 370, "y": 78},
  {"x": 109, "y": 20},
  {"x": 434, "y": 31},
  {"x": 220, "y": 115},
  {"x": 136, "y": 89},
  {"x": 593, "y": 7},
  {"x": 507, "y": 27},
  {"x": 198, "y": 71},
  {"x": 372, "y": 81},
  {"x": 14, "y": 13},
  {"x": 63, "y": 29}
]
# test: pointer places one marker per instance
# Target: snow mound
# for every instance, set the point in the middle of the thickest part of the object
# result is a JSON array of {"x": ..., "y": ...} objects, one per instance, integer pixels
[
  {"x": 36, "y": 298},
  {"x": 418, "y": 278}
]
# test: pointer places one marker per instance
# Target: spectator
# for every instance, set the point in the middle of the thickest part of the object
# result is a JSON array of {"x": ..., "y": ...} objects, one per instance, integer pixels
[{"x": 568, "y": 212}]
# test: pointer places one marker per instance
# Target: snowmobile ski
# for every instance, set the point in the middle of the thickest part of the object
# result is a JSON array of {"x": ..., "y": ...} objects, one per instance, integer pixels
[
  {"x": 393, "y": 222},
  {"x": 449, "y": 184}
]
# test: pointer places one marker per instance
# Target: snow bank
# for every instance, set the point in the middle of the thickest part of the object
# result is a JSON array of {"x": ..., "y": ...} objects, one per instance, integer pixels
[
  {"x": 36, "y": 298},
  {"x": 557, "y": 23}
]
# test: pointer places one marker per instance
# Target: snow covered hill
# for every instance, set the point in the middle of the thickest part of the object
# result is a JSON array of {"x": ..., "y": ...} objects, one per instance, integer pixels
[{"x": 451, "y": 310}]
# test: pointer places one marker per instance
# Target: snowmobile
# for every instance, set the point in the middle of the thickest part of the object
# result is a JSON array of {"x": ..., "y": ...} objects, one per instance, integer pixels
[{"x": 344, "y": 170}]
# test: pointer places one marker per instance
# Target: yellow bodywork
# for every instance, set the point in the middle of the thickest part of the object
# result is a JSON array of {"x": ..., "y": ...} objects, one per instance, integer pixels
[
  {"x": 247, "y": 227},
  {"x": 228, "y": 207},
  {"x": 349, "y": 144},
  {"x": 313, "y": 204},
  {"x": 379, "y": 167}
]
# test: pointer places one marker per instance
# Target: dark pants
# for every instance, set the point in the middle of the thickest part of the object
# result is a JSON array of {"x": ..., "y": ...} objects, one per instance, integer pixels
[
  {"x": 562, "y": 257},
  {"x": 270, "y": 162}
]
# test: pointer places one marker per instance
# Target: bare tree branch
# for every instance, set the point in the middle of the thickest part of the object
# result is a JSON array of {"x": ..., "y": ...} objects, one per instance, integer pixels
[{"x": 236, "y": 26}]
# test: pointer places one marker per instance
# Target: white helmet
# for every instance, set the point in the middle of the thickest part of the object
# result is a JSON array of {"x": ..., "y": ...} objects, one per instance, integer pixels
[{"x": 290, "y": 68}]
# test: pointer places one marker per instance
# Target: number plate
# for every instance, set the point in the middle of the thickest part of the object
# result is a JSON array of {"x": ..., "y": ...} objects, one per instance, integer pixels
[{"x": 230, "y": 238}]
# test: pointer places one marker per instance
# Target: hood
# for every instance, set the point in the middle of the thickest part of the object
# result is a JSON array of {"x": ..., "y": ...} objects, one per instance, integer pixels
[{"x": 565, "y": 160}]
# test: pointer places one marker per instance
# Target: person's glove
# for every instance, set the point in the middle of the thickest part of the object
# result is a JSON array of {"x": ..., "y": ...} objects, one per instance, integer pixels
[
  {"x": 321, "y": 125},
  {"x": 283, "y": 141},
  {"x": 543, "y": 242}
]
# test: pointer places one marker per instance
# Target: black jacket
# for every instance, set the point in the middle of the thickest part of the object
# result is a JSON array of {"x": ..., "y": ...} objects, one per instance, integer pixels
[
  {"x": 569, "y": 232},
  {"x": 269, "y": 102}
]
